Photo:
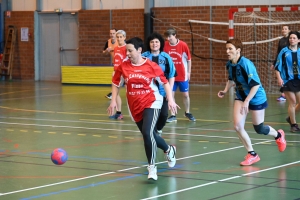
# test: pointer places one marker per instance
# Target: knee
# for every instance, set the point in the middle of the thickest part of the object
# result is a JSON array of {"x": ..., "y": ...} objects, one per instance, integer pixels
[
  {"x": 185, "y": 95},
  {"x": 237, "y": 127},
  {"x": 262, "y": 129}
]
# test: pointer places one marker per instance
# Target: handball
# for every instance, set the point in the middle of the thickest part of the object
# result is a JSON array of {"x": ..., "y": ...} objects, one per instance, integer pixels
[{"x": 59, "y": 156}]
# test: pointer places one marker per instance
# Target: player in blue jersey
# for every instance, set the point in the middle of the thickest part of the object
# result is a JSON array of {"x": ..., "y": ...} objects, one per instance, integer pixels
[
  {"x": 283, "y": 42},
  {"x": 288, "y": 76},
  {"x": 155, "y": 45},
  {"x": 250, "y": 96}
]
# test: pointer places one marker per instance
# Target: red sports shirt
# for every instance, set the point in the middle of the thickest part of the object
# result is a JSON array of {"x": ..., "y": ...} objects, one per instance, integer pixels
[
  {"x": 180, "y": 55},
  {"x": 119, "y": 55},
  {"x": 141, "y": 90}
]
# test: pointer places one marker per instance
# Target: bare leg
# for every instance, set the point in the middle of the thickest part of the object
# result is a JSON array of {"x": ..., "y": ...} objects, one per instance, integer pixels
[
  {"x": 186, "y": 101},
  {"x": 239, "y": 125},
  {"x": 291, "y": 98},
  {"x": 119, "y": 103}
]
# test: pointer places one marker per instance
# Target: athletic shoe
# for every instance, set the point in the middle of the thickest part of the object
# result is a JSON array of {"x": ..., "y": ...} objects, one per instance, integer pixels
[
  {"x": 116, "y": 116},
  {"x": 281, "y": 98},
  {"x": 281, "y": 143},
  {"x": 249, "y": 160},
  {"x": 295, "y": 128},
  {"x": 159, "y": 132},
  {"x": 288, "y": 119},
  {"x": 190, "y": 116},
  {"x": 170, "y": 156},
  {"x": 152, "y": 172},
  {"x": 172, "y": 118},
  {"x": 108, "y": 95}
]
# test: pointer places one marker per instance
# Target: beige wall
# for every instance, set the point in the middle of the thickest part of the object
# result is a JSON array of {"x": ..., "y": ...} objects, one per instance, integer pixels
[{"x": 67, "y": 5}]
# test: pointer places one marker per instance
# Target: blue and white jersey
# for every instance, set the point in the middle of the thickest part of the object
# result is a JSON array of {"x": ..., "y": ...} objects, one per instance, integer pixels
[
  {"x": 245, "y": 76},
  {"x": 166, "y": 64},
  {"x": 288, "y": 64}
]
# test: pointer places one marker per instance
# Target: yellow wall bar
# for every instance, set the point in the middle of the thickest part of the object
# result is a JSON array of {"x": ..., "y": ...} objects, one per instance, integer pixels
[{"x": 86, "y": 74}]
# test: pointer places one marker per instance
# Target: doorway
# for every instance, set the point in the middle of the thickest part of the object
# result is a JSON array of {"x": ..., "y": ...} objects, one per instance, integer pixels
[{"x": 58, "y": 44}]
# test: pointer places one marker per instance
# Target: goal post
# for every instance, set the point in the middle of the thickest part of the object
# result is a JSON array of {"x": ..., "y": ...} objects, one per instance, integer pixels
[{"x": 258, "y": 28}]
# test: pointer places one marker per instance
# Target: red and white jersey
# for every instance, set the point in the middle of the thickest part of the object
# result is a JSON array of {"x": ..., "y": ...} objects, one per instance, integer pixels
[
  {"x": 141, "y": 91},
  {"x": 119, "y": 55},
  {"x": 180, "y": 55}
]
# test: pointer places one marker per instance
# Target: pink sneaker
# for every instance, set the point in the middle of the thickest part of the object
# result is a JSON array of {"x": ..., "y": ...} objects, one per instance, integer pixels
[
  {"x": 249, "y": 160},
  {"x": 281, "y": 143}
]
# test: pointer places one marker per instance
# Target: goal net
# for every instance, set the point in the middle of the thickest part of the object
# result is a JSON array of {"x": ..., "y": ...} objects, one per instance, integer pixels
[{"x": 259, "y": 29}]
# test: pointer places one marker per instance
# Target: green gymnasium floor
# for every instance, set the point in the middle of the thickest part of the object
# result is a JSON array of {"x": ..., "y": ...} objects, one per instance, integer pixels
[{"x": 107, "y": 159}]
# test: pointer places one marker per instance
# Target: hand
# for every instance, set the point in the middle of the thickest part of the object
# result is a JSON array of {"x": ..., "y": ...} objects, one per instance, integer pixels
[
  {"x": 173, "y": 106},
  {"x": 245, "y": 108},
  {"x": 189, "y": 76},
  {"x": 280, "y": 82},
  {"x": 111, "y": 108},
  {"x": 221, "y": 94},
  {"x": 272, "y": 67}
]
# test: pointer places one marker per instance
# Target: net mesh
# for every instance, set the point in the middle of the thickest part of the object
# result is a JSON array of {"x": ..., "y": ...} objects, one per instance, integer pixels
[
  {"x": 260, "y": 33},
  {"x": 260, "y": 30}
]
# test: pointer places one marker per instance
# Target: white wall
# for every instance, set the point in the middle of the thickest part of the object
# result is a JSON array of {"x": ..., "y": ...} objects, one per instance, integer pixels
[
  {"x": 50, "y": 5},
  {"x": 113, "y": 4},
  {"x": 71, "y": 5},
  {"x": 176, "y": 3},
  {"x": 23, "y": 5}
]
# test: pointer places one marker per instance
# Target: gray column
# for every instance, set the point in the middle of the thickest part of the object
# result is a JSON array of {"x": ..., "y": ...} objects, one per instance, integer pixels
[{"x": 148, "y": 22}]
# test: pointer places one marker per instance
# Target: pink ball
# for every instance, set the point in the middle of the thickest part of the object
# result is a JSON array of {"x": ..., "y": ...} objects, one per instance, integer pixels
[{"x": 59, "y": 156}]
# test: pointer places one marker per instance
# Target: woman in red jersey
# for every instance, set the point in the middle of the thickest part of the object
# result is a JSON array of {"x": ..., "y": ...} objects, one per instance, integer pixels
[{"x": 144, "y": 101}]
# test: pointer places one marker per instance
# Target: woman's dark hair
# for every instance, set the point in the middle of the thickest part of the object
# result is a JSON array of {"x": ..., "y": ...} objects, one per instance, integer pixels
[
  {"x": 153, "y": 36},
  {"x": 295, "y": 33},
  {"x": 136, "y": 42}
]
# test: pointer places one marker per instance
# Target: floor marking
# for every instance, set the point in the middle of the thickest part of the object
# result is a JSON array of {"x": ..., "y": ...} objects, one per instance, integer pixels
[
  {"x": 122, "y": 170},
  {"x": 67, "y": 133},
  {"x": 136, "y": 131},
  {"x": 81, "y": 134},
  {"x": 222, "y": 180},
  {"x": 132, "y": 138},
  {"x": 24, "y": 131},
  {"x": 114, "y": 122},
  {"x": 98, "y": 136},
  {"x": 52, "y": 132}
]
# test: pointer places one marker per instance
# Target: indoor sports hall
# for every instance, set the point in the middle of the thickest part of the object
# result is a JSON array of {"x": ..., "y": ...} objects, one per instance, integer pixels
[
  {"x": 55, "y": 76},
  {"x": 106, "y": 158}
]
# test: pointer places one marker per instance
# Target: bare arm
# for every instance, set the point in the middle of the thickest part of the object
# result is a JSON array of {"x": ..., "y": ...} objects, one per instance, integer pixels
[
  {"x": 171, "y": 82},
  {"x": 245, "y": 107},
  {"x": 279, "y": 79},
  {"x": 113, "y": 102},
  {"x": 229, "y": 84},
  {"x": 189, "y": 69},
  {"x": 171, "y": 103}
]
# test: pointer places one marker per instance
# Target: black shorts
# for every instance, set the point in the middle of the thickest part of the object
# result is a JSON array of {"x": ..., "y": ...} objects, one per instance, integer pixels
[
  {"x": 256, "y": 107},
  {"x": 291, "y": 86}
]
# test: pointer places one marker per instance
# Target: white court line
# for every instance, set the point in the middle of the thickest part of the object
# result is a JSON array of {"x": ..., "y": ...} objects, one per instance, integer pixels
[
  {"x": 222, "y": 180},
  {"x": 122, "y": 170}
]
